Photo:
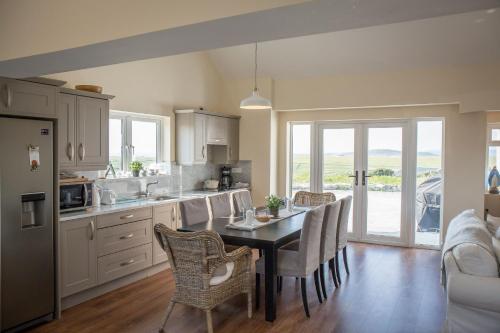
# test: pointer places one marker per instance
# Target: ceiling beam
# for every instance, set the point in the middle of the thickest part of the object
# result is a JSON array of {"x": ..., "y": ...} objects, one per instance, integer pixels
[{"x": 307, "y": 18}]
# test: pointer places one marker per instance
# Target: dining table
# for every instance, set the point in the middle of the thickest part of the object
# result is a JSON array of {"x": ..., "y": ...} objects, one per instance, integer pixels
[{"x": 268, "y": 238}]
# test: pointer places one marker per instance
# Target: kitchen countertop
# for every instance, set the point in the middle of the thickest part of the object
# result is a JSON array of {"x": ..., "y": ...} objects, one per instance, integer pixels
[{"x": 119, "y": 207}]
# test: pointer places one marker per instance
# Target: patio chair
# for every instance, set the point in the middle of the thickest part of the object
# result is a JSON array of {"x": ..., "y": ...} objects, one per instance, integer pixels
[{"x": 205, "y": 275}]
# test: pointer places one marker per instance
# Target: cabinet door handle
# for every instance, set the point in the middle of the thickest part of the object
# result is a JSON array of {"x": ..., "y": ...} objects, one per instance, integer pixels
[
  {"x": 203, "y": 151},
  {"x": 126, "y": 263},
  {"x": 126, "y": 217},
  {"x": 81, "y": 152},
  {"x": 127, "y": 236},
  {"x": 9, "y": 96},
  {"x": 92, "y": 229},
  {"x": 70, "y": 151},
  {"x": 173, "y": 216}
]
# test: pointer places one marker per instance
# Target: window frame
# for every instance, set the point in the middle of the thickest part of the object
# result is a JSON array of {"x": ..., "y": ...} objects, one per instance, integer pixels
[{"x": 127, "y": 151}]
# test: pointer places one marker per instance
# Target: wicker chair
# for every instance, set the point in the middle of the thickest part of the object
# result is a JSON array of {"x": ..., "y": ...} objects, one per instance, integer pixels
[
  {"x": 304, "y": 198},
  {"x": 205, "y": 275}
]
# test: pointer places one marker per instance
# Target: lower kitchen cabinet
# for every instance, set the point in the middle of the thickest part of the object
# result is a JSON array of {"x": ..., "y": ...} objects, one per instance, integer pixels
[
  {"x": 116, "y": 265},
  {"x": 78, "y": 255},
  {"x": 166, "y": 214}
]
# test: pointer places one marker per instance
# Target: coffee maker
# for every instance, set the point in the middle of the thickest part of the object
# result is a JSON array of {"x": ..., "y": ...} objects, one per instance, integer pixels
[{"x": 225, "y": 180}]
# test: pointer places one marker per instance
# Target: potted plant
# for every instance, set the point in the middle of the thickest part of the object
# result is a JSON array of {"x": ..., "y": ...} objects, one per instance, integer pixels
[
  {"x": 273, "y": 202},
  {"x": 136, "y": 167}
]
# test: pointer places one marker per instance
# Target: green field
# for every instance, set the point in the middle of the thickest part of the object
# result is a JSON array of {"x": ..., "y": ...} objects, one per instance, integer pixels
[{"x": 338, "y": 168}]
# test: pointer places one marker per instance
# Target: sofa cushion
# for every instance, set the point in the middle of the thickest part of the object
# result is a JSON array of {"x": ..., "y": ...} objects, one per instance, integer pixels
[
  {"x": 475, "y": 260},
  {"x": 493, "y": 224}
]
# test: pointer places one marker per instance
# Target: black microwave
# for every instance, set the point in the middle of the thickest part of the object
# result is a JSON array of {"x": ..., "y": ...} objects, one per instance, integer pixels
[{"x": 75, "y": 196}]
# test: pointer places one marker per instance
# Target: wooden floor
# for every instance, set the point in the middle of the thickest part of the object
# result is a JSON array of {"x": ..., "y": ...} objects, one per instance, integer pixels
[{"x": 389, "y": 289}]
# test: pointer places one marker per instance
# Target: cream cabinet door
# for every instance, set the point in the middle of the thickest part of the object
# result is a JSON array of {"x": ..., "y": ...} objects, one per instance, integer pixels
[
  {"x": 166, "y": 214},
  {"x": 217, "y": 130},
  {"x": 233, "y": 145},
  {"x": 200, "y": 138},
  {"x": 78, "y": 255},
  {"x": 27, "y": 98},
  {"x": 66, "y": 115},
  {"x": 92, "y": 132}
]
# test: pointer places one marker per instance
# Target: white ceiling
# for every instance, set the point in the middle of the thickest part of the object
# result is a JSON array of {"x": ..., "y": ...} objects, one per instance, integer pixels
[{"x": 468, "y": 38}]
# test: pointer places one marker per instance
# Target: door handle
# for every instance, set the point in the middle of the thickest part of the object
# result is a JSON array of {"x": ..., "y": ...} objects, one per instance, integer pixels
[
  {"x": 355, "y": 176},
  {"x": 70, "y": 151},
  {"x": 92, "y": 229},
  {"x": 9, "y": 96},
  {"x": 127, "y": 236},
  {"x": 131, "y": 261},
  {"x": 125, "y": 217},
  {"x": 81, "y": 151},
  {"x": 364, "y": 176},
  {"x": 203, "y": 151}
]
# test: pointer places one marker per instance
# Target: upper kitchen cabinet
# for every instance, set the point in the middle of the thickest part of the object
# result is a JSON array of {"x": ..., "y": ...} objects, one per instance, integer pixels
[
  {"x": 23, "y": 98},
  {"x": 233, "y": 151},
  {"x": 83, "y": 131},
  {"x": 200, "y": 133},
  {"x": 191, "y": 137}
]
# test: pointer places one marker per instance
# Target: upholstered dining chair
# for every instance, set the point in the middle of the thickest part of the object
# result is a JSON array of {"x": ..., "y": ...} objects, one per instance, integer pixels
[
  {"x": 299, "y": 258},
  {"x": 328, "y": 244},
  {"x": 194, "y": 211},
  {"x": 221, "y": 205},
  {"x": 345, "y": 210},
  {"x": 205, "y": 275},
  {"x": 242, "y": 201},
  {"x": 304, "y": 198}
]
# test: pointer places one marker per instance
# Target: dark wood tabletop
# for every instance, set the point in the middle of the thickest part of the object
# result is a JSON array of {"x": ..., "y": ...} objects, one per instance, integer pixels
[{"x": 268, "y": 238}]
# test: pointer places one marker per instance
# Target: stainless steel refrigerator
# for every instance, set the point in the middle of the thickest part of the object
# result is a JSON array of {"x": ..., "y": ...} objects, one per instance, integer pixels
[{"x": 26, "y": 218}]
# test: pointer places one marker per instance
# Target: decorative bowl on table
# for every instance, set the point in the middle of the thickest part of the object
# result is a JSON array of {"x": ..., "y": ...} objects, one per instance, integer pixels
[
  {"x": 89, "y": 88},
  {"x": 263, "y": 218}
]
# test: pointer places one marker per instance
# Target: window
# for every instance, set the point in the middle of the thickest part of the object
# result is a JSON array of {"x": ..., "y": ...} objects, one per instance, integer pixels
[
  {"x": 300, "y": 158},
  {"x": 493, "y": 148},
  {"x": 134, "y": 137}
]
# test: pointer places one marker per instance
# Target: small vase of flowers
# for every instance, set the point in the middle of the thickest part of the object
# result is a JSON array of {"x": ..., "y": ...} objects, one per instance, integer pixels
[
  {"x": 136, "y": 168},
  {"x": 273, "y": 203}
]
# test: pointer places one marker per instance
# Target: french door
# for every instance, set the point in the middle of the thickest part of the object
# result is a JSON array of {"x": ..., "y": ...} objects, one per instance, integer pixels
[{"x": 369, "y": 161}]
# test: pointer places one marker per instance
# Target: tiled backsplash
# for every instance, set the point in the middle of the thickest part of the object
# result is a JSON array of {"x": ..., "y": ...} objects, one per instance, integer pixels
[{"x": 177, "y": 178}]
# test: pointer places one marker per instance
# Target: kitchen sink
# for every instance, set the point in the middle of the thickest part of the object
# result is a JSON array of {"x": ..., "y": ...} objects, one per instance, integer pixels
[{"x": 162, "y": 197}]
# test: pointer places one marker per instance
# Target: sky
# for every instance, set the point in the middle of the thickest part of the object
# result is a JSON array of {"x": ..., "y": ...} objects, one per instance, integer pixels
[{"x": 341, "y": 140}]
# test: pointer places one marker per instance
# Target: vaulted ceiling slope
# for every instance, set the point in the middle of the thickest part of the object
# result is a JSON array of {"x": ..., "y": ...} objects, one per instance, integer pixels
[
  {"x": 462, "y": 39},
  {"x": 311, "y": 17}
]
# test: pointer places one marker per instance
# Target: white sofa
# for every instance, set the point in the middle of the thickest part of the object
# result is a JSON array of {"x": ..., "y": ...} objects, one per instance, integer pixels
[{"x": 471, "y": 277}]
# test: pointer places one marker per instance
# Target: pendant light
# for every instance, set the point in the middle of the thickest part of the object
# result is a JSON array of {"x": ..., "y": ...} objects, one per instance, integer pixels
[{"x": 255, "y": 101}]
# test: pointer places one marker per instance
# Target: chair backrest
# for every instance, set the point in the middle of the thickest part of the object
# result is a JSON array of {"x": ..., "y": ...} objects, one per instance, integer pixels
[
  {"x": 310, "y": 239},
  {"x": 221, "y": 205},
  {"x": 193, "y": 256},
  {"x": 329, "y": 231},
  {"x": 194, "y": 211},
  {"x": 304, "y": 198},
  {"x": 242, "y": 201},
  {"x": 345, "y": 210}
]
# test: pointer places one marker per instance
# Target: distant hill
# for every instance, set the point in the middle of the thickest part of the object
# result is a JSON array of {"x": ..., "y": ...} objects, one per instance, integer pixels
[{"x": 386, "y": 152}]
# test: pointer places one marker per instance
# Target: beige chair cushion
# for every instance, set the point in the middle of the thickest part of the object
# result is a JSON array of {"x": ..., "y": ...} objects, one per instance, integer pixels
[
  {"x": 345, "y": 210},
  {"x": 222, "y": 273},
  {"x": 221, "y": 205},
  {"x": 475, "y": 260}
]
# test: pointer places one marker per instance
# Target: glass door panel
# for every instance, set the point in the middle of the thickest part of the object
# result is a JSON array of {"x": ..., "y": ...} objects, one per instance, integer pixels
[
  {"x": 338, "y": 167},
  {"x": 382, "y": 181}
]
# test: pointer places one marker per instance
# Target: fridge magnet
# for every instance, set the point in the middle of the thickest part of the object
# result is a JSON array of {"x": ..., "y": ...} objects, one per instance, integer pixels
[{"x": 34, "y": 153}]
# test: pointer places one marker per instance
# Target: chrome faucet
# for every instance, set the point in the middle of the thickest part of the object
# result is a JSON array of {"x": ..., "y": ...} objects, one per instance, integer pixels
[{"x": 148, "y": 194}]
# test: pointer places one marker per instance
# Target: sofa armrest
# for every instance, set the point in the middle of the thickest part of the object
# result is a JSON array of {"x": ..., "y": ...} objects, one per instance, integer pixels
[{"x": 474, "y": 291}]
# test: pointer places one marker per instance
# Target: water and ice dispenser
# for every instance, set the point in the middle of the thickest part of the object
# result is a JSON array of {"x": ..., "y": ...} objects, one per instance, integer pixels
[{"x": 32, "y": 209}]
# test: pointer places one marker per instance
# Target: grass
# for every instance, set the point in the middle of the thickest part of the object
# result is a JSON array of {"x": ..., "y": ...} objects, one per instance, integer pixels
[{"x": 337, "y": 169}]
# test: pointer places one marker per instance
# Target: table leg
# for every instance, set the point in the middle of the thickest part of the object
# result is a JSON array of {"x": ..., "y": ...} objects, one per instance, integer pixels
[{"x": 270, "y": 282}]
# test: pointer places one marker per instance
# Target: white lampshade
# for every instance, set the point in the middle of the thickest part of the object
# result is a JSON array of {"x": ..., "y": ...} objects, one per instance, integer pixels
[{"x": 255, "y": 102}]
